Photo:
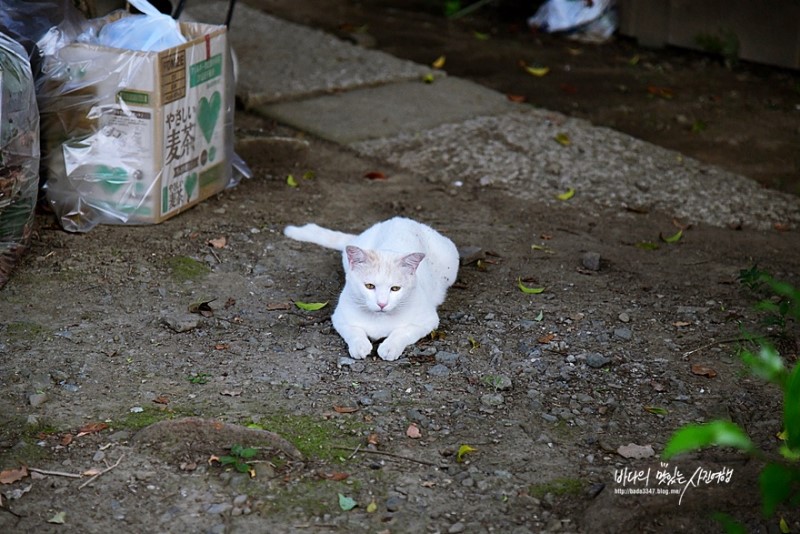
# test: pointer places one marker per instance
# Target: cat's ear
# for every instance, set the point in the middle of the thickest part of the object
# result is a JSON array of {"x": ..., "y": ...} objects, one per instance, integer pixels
[
  {"x": 356, "y": 256},
  {"x": 411, "y": 261}
]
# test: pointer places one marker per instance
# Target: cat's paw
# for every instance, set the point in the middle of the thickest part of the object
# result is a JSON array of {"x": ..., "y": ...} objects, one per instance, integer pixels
[
  {"x": 390, "y": 351},
  {"x": 360, "y": 348}
]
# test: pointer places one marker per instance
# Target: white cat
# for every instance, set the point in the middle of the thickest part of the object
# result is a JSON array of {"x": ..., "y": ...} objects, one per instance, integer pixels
[{"x": 397, "y": 273}]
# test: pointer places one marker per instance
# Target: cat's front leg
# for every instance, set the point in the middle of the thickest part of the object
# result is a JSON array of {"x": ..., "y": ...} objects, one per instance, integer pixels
[
  {"x": 357, "y": 341},
  {"x": 394, "y": 345}
]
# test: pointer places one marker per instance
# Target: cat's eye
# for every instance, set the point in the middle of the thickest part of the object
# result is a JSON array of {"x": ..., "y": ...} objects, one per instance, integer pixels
[
  {"x": 395, "y": 288},
  {"x": 369, "y": 286}
]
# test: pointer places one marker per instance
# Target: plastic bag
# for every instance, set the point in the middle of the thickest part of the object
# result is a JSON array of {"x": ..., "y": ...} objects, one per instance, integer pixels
[
  {"x": 19, "y": 154},
  {"x": 150, "y": 32},
  {"x": 593, "y": 21}
]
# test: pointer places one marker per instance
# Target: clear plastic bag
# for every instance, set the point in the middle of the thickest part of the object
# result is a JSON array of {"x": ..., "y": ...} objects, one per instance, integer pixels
[
  {"x": 19, "y": 154},
  {"x": 150, "y": 32}
]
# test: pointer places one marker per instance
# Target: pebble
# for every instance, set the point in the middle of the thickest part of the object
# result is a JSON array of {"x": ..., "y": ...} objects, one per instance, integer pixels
[
  {"x": 596, "y": 360},
  {"x": 439, "y": 370},
  {"x": 99, "y": 456},
  {"x": 447, "y": 358},
  {"x": 591, "y": 260},
  {"x": 393, "y": 503},
  {"x": 502, "y": 382},
  {"x": 240, "y": 500},
  {"x": 344, "y": 360},
  {"x": 37, "y": 399},
  {"x": 624, "y": 317},
  {"x": 382, "y": 395},
  {"x": 623, "y": 333},
  {"x": 181, "y": 323},
  {"x": 219, "y": 508},
  {"x": 455, "y": 528},
  {"x": 492, "y": 399}
]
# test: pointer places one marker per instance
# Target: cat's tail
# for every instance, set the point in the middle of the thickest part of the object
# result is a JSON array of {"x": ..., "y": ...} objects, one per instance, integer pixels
[{"x": 319, "y": 235}]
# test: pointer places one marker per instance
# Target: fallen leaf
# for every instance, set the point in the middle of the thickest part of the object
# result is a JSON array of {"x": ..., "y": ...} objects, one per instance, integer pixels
[
  {"x": 439, "y": 62},
  {"x": 373, "y": 439},
  {"x": 562, "y": 139},
  {"x": 213, "y": 458},
  {"x": 546, "y": 237},
  {"x": 375, "y": 175},
  {"x": 658, "y": 386},
  {"x": 372, "y": 507},
  {"x": 278, "y": 306},
  {"x": 566, "y": 195},
  {"x": 66, "y": 439},
  {"x": 546, "y": 250},
  {"x": 662, "y": 92},
  {"x": 309, "y": 175},
  {"x": 781, "y": 227},
  {"x": 229, "y": 303},
  {"x": 547, "y": 338},
  {"x": 336, "y": 476},
  {"x": 634, "y": 60},
  {"x": 702, "y": 370},
  {"x": 161, "y": 399},
  {"x": 528, "y": 290},
  {"x": 647, "y": 245},
  {"x": 655, "y": 410},
  {"x": 91, "y": 428},
  {"x": 480, "y": 36},
  {"x": 463, "y": 451},
  {"x": 679, "y": 324},
  {"x": 413, "y": 431},
  {"x": 222, "y": 346},
  {"x": 188, "y": 466},
  {"x": 428, "y": 484},
  {"x": 673, "y": 238},
  {"x": 310, "y": 306},
  {"x": 345, "y": 409},
  {"x": 290, "y": 181},
  {"x": 537, "y": 71},
  {"x": 203, "y": 307},
  {"x": 59, "y": 518},
  {"x": 231, "y": 393},
  {"x": 428, "y": 78},
  {"x": 632, "y": 450},
  {"x": 519, "y": 99},
  {"x": 473, "y": 343},
  {"x": 219, "y": 242},
  {"x": 346, "y": 503},
  {"x": 539, "y": 317},
  {"x": 92, "y": 471},
  {"x": 9, "y": 476},
  {"x": 783, "y": 526}
]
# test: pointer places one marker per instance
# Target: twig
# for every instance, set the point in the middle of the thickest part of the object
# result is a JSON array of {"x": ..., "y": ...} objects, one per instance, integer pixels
[
  {"x": 358, "y": 447},
  {"x": 721, "y": 342},
  {"x": 389, "y": 454},
  {"x": 103, "y": 472},
  {"x": 54, "y": 473}
]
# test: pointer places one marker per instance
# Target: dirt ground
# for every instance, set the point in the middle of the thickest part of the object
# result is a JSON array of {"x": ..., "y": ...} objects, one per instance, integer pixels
[{"x": 97, "y": 345}]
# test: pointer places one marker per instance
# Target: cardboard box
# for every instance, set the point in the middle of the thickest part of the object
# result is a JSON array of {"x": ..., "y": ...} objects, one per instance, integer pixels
[{"x": 137, "y": 137}]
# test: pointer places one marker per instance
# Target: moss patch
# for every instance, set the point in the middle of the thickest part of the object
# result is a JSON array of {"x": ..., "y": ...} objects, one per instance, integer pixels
[
  {"x": 184, "y": 268},
  {"x": 315, "y": 438},
  {"x": 558, "y": 487},
  {"x": 25, "y": 331}
]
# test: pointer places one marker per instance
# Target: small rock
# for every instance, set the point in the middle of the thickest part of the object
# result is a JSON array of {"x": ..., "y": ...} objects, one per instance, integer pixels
[
  {"x": 470, "y": 254},
  {"x": 181, "y": 323},
  {"x": 393, "y": 503},
  {"x": 439, "y": 370},
  {"x": 623, "y": 333},
  {"x": 455, "y": 528},
  {"x": 502, "y": 382},
  {"x": 447, "y": 358},
  {"x": 344, "y": 360},
  {"x": 624, "y": 317},
  {"x": 37, "y": 399},
  {"x": 240, "y": 500},
  {"x": 492, "y": 399},
  {"x": 596, "y": 360},
  {"x": 99, "y": 456},
  {"x": 219, "y": 508},
  {"x": 591, "y": 260}
]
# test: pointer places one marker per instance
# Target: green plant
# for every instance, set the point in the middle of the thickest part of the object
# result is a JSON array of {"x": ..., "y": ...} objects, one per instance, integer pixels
[
  {"x": 779, "y": 480},
  {"x": 238, "y": 458},
  {"x": 199, "y": 378}
]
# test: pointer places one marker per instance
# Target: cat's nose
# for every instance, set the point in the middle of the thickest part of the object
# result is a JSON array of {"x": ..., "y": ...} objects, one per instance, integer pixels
[{"x": 382, "y": 305}]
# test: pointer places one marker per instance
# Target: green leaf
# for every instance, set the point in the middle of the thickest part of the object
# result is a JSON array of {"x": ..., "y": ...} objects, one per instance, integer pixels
[
  {"x": 656, "y": 410},
  {"x": 692, "y": 437},
  {"x": 462, "y": 451},
  {"x": 730, "y": 525},
  {"x": 228, "y": 460},
  {"x": 791, "y": 409},
  {"x": 481, "y": 36},
  {"x": 563, "y": 139},
  {"x": 528, "y": 290},
  {"x": 248, "y": 453},
  {"x": 290, "y": 181},
  {"x": 783, "y": 526},
  {"x": 310, "y": 306},
  {"x": 309, "y": 175},
  {"x": 346, "y": 503},
  {"x": 776, "y": 482},
  {"x": 647, "y": 245},
  {"x": 242, "y": 467},
  {"x": 539, "y": 317},
  {"x": 672, "y": 238},
  {"x": 59, "y": 519},
  {"x": 428, "y": 77},
  {"x": 767, "y": 364},
  {"x": 568, "y": 194}
]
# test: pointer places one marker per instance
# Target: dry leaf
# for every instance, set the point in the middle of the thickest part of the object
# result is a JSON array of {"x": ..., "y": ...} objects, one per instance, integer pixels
[
  {"x": 703, "y": 370},
  {"x": 92, "y": 471},
  {"x": 781, "y": 227},
  {"x": 547, "y": 338},
  {"x": 413, "y": 431},
  {"x": 375, "y": 175},
  {"x": 9, "y": 476},
  {"x": 373, "y": 439},
  {"x": 439, "y": 63},
  {"x": 229, "y": 303},
  {"x": 519, "y": 99},
  {"x": 66, "y": 439},
  {"x": 345, "y": 409},
  {"x": 221, "y": 346},
  {"x": 681, "y": 323},
  {"x": 219, "y": 242},
  {"x": 336, "y": 476},
  {"x": 161, "y": 399},
  {"x": 91, "y": 428}
]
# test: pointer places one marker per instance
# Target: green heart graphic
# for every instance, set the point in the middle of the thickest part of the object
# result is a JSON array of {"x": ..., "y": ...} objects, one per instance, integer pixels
[
  {"x": 111, "y": 179},
  {"x": 190, "y": 184},
  {"x": 208, "y": 113}
]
